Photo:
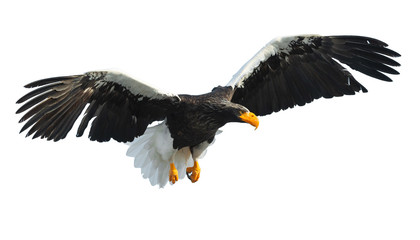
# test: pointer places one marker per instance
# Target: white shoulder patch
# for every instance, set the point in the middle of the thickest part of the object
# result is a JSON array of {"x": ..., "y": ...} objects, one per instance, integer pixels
[
  {"x": 281, "y": 44},
  {"x": 136, "y": 87}
]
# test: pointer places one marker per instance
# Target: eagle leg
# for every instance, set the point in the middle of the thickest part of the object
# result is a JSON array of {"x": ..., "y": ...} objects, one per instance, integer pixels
[
  {"x": 173, "y": 173},
  {"x": 193, "y": 173}
]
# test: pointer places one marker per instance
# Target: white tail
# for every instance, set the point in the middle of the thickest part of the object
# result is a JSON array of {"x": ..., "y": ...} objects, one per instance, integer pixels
[{"x": 152, "y": 152}]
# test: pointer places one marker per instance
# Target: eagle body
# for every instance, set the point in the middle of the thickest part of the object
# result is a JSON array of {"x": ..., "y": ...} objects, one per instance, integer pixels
[
  {"x": 287, "y": 72},
  {"x": 197, "y": 118}
]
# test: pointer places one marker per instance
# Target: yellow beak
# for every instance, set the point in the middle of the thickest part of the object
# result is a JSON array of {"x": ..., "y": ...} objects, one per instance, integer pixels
[{"x": 250, "y": 118}]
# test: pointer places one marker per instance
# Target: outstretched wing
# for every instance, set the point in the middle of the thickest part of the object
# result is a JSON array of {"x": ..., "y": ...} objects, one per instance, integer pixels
[
  {"x": 296, "y": 70},
  {"x": 121, "y": 107}
]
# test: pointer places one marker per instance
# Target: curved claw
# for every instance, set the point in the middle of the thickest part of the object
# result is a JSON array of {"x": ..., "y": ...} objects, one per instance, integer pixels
[{"x": 193, "y": 173}]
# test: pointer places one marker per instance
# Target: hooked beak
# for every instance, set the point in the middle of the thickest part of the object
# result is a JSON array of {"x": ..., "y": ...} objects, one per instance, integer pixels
[{"x": 250, "y": 118}]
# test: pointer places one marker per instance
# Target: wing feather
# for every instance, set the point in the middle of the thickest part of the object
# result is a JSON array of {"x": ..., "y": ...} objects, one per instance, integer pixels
[
  {"x": 296, "y": 70},
  {"x": 121, "y": 107}
]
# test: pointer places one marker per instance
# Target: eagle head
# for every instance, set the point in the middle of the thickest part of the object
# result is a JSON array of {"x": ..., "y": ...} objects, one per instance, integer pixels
[
  {"x": 233, "y": 112},
  {"x": 242, "y": 114}
]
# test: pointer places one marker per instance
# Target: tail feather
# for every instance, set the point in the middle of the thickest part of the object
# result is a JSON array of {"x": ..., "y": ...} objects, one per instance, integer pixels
[{"x": 152, "y": 152}]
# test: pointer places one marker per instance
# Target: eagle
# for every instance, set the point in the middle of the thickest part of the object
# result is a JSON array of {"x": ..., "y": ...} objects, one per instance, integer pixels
[{"x": 168, "y": 133}]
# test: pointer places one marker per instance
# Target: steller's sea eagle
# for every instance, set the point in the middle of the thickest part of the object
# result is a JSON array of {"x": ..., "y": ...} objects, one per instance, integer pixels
[{"x": 286, "y": 72}]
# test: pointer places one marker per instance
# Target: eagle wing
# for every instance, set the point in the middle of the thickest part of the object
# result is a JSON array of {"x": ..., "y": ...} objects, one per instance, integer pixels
[
  {"x": 121, "y": 107},
  {"x": 296, "y": 70}
]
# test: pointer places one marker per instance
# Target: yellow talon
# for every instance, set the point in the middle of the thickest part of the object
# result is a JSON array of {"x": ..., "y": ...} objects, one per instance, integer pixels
[
  {"x": 193, "y": 173},
  {"x": 173, "y": 173}
]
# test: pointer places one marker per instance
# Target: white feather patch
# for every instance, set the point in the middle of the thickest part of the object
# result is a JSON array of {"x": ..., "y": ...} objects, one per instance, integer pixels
[
  {"x": 281, "y": 44},
  {"x": 136, "y": 87},
  {"x": 152, "y": 152}
]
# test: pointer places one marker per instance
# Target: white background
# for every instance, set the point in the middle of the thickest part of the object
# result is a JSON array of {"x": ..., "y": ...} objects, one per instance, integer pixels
[{"x": 344, "y": 168}]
